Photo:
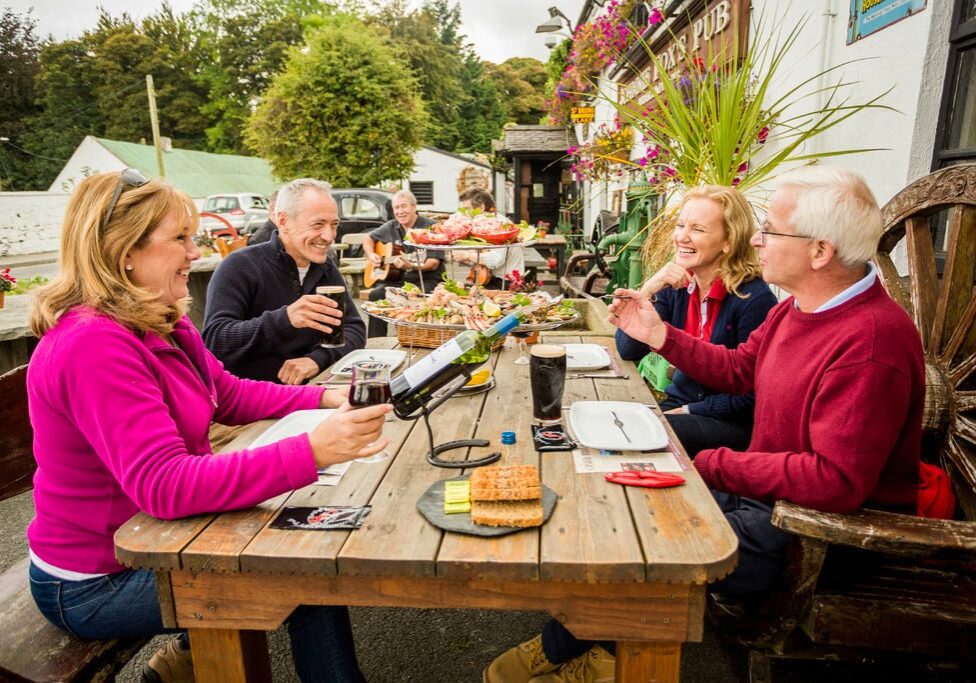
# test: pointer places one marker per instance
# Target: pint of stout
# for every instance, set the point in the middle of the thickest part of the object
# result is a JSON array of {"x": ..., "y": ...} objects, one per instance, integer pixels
[
  {"x": 547, "y": 373},
  {"x": 338, "y": 294}
]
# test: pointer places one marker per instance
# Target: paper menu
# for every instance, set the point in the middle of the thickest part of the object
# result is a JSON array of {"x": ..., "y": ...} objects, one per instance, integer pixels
[{"x": 590, "y": 460}]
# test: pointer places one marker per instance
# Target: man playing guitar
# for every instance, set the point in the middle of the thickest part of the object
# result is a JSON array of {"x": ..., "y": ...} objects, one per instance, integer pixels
[{"x": 422, "y": 267}]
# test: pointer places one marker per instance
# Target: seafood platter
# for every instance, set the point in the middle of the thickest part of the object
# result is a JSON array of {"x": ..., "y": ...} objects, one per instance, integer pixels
[{"x": 472, "y": 230}]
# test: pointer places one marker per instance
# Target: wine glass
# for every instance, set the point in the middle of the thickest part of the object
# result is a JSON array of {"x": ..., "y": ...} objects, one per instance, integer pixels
[
  {"x": 370, "y": 386},
  {"x": 523, "y": 357}
]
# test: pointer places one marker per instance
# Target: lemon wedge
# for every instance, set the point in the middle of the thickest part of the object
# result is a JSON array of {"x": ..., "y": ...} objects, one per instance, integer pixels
[
  {"x": 491, "y": 309},
  {"x": 479, "y": 377}
]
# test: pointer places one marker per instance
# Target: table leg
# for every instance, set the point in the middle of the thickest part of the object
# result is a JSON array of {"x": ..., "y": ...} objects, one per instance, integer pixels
[
  {"x": 647, "y": 662},
  {"x": 228, "y": 655}
]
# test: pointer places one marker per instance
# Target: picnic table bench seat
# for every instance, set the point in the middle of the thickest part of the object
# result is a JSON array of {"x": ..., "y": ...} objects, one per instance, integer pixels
[
  {"x": 873, "y": 584},
  {"x": 31, "y": 648}
]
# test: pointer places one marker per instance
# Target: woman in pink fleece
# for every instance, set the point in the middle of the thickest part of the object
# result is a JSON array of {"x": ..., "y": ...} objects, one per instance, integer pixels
[{"x": 122, "y": 393}]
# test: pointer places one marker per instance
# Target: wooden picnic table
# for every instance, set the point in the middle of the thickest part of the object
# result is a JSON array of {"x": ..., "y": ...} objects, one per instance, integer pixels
[{"x": 613, "y": 563}]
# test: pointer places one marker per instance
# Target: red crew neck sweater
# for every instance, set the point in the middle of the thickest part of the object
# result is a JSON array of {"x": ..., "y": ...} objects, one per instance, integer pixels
[{"x": 839, "y": 400}]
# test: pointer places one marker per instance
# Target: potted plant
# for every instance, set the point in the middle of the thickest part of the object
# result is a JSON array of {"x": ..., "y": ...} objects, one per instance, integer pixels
[{"x": 7, "y": 282}]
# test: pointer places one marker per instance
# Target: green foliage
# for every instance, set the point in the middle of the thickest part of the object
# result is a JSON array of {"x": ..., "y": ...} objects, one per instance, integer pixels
[
  {"x": 344, "y": 109},
  {"x": 482, "y": 110},
  {"x": 26, "y": 284},
  {"x": 19, "y": 64},
  {"x": 520, "y": 82}
]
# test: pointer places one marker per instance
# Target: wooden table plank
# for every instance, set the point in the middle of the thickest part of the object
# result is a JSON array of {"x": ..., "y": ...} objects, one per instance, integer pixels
[
  {"x": 280, "y": 551},
  {"x": 395, "y": 538},
  {"x": 514, "y": 556}
]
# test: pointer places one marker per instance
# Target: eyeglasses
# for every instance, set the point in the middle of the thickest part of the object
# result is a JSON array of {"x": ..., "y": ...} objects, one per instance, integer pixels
[
  {"x": 762, "y": 232},
  {"x": 127, "y": 178}
]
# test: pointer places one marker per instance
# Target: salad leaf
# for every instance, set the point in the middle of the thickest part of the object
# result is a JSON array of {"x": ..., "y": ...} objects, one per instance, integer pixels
[
  {"x": 521, "y": 299},
  {"x": 452, "y": 286},
  {"x": 410, "y": 288}
]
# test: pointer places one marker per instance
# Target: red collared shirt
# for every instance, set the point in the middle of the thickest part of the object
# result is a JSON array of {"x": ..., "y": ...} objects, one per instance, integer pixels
[{"x": 701, "y": 315}]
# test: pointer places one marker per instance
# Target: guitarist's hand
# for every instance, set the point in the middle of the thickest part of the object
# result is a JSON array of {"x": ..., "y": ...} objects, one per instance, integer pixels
[
  {"x": 375, "y": 258},
  {"x": 403, "y": 264},
  {"x": 314, "y": 311}
]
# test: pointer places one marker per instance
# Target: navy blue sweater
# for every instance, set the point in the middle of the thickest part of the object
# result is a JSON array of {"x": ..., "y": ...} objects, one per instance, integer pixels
[
  {"x": 246, "y": 322},
  {"x": 736, "y": 320}
]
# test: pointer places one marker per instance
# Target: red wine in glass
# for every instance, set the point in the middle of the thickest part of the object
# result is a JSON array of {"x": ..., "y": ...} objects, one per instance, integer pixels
[{"x": 369, "y": 393}]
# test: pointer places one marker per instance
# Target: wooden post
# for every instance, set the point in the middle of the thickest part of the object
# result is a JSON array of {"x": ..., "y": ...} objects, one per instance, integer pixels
[
  {"x": 212, "y": 649},
  {"x": 154, "y": 119},
  {"x": 648, "y": 662}
]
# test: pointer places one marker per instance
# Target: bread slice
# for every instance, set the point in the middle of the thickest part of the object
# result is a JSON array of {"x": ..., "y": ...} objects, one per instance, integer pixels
[
  {"x": 506, "y": 482},
  {"x": 520, "y": 513}
]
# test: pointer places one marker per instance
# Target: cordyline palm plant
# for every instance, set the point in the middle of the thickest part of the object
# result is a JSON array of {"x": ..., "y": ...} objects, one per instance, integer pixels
[{"x": 709, "y": 123}]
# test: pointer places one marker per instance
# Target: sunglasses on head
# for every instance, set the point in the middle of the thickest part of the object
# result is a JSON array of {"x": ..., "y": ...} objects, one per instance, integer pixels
[{"x": 127, "y": 178}]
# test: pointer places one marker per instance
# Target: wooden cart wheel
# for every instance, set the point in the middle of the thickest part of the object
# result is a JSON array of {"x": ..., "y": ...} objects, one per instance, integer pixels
[{"x": 943, "y": 306}]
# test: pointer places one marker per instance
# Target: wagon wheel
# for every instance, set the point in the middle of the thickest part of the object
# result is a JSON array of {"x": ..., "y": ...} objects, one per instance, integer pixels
[{"x": 943, "y": 306}]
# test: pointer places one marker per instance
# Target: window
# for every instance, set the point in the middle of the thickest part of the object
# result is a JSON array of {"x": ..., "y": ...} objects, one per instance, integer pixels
[
  {"x": 956, "y": 137},
  {"x": 360, "y": 208},
  {"x": 258, "y": 202},
  {"x": 423, "y": 190}
]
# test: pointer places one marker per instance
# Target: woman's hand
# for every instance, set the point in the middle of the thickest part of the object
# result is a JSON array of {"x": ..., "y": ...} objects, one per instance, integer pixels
[
  {"x": 348, "y": 434},
  {"x": 670, "y": 275},
  {"x": 636, "y": 315},
  {"x": 331, "y": 398}
]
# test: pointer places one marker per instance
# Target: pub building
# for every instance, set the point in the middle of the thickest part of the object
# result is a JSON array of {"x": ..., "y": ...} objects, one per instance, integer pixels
[{"x": 923, "y": 52}]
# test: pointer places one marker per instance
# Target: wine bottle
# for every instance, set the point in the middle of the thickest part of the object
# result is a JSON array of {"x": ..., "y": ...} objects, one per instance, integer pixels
[{"x": 468, "y": 350}]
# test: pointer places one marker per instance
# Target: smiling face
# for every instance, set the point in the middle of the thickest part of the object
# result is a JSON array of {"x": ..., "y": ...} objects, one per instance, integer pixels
[
  {"x": 700, "y": 237},
  {"x": 162, "y": 263},
  {"x": 405, "y": 212},
  {"x": 308, "y": 234}
]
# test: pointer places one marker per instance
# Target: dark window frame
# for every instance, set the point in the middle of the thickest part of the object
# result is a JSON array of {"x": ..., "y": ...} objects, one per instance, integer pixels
[{"x": 962, "y": 39}]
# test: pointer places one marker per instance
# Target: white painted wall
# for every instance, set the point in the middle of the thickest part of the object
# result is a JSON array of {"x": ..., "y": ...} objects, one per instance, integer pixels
[
  {"x": 89, "y": 157},
  {"x": 30, "y": 222},
  {"x": 443, "y": 170}
]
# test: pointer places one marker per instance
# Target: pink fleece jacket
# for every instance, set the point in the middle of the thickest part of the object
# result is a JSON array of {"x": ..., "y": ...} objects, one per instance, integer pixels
[{"x": 121, "y": 425}]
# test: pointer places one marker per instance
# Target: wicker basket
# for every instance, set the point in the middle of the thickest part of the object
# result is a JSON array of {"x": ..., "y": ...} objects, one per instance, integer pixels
[{"x": 430, "y": 338}]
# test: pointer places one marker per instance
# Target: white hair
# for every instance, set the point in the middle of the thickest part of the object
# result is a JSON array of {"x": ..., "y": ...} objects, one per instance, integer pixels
[
  {"x": 837, "y": 206},
  {"x": 405, "y": 194},
  {"x": 290, "y": 195}
]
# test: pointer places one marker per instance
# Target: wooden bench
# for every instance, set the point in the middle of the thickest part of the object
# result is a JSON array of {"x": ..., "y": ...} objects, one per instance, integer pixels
[
  {"x": 31, "y": 648},
  {"x": 870, "y": 584}
]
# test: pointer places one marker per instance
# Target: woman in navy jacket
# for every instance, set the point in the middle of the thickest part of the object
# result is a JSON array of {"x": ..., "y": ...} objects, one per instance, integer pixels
[{"x": 713, "y": 290}]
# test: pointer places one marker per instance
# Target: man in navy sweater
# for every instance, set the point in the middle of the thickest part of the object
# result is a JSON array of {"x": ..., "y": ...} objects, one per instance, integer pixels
[{"x": 263, "y": 319}]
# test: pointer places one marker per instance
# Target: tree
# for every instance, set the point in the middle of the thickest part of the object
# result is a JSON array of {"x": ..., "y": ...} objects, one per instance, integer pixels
[
  {"x": 19, "y": 66},
  {"x": 520, "y": 82},
  {"x": 344, "y": 109},
  {"x": 437, "y": 65},
  {"x": 482, "y": 111}
]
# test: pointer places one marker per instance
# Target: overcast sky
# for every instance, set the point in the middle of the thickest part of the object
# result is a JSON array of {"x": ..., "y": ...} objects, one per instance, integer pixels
[{"x": 499, "y": 29}]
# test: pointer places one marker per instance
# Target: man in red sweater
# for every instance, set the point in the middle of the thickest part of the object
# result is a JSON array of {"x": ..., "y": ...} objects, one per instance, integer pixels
[{"x": 837, "y": 370}]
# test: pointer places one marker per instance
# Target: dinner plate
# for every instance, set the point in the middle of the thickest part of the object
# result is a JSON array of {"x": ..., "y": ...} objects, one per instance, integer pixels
[
  {"x": 586, "y": 357},
  {"x": 431, "y": 506},
  {"x": 392, "y": 357},
  {"x": 594, "y": 426},
  {"x": 293, "y": 424}
]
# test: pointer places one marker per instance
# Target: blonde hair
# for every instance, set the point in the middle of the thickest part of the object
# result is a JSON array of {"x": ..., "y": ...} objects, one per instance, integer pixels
[
  {"x": 740, "y": 263},
  {"x": 92, "y": 262}
]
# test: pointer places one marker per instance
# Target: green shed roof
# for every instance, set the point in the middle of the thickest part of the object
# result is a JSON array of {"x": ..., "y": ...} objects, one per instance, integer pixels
[{"x": 198, "y": 173}]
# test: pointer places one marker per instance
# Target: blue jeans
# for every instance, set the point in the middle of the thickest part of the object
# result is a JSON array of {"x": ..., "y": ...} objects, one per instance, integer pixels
[
  {"x": 125, "y": 605},
  {"x": 762, "y": 549}
]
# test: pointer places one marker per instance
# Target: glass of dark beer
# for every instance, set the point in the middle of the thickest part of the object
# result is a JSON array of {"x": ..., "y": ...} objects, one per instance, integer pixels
[
  {"x": 370, "y": 386},
  {"x": 547, "y": 374},
  {"x": 337, "y": 336}
]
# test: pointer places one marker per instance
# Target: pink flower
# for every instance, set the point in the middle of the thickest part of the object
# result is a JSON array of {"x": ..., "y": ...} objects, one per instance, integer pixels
[
  {"x": 743, "y": 167},
  {"x": 763, "y": 134},
  {"x": 655, "y": 17},
  {"x": 670, "y": 172}
]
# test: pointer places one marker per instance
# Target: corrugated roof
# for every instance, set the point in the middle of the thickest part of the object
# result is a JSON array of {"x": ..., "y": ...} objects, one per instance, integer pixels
[
  {"x": 537, "y": 139},
  {"x": 198, "y": 173}
]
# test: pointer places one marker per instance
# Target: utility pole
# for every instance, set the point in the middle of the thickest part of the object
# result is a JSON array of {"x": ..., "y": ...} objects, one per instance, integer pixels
[{"x": 154, "y": 118}]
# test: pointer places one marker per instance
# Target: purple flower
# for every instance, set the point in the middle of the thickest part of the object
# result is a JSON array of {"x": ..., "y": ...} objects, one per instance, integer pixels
[
  {"x": 655, "y": 17},
  {"x": 669, "y": 171},
  {"x": 763, "y": 134},
  {"x": 743, "y": 167},
  {"x": 736, "y": 181},
  {"x": 642, "y": 162},
  {"x": 561, "y": 92}
]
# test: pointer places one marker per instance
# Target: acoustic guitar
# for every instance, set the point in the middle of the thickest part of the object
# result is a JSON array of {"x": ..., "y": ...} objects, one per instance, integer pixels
[{"x": 387, "y": 253}]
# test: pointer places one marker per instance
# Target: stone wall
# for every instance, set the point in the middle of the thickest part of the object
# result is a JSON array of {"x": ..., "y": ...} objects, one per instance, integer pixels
[{"x": 30, "y": 222}]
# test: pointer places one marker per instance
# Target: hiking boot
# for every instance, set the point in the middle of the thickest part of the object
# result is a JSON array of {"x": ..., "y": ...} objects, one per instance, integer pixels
[
  {"x": 519, "y": 664},
  {"x": 596, "y": 666},
  {"x": 171, "y": 664}
]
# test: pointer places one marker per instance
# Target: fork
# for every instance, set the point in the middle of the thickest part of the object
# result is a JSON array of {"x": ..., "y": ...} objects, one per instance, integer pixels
[{"x": 620, "y": 425}]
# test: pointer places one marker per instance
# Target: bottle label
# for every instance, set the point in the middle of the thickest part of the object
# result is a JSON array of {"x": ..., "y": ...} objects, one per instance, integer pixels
[
  {"x": 432, "y": 363},
  {"x": 503, "y": 326}
]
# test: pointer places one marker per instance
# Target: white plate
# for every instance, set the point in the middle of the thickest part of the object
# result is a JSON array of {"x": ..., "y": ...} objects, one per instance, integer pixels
[
  {"x": 586, "y": 357},
  {"x": 392, "y": 357},
  {"x": 293, "y": 424},
  {"x": 593, "y": 426}
]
